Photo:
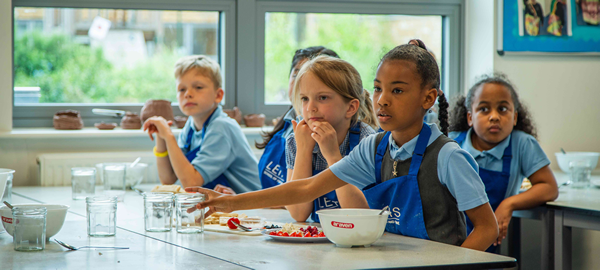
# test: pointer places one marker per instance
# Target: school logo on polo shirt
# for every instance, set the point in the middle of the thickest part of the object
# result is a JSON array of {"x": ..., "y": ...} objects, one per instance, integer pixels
[{"x": 274, "y": 172}]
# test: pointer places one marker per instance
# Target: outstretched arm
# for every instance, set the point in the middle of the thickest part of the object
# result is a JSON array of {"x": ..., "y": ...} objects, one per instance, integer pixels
[
  {"x": 294, "y": 192},
  {"x": 485, "y": 228}
]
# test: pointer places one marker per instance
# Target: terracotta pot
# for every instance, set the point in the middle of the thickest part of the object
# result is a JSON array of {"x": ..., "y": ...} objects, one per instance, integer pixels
[
  {"x": 157, "y": 107},
  {"x": 105, "y": 126},
  {"x": 235, "y": 114},
  {"x": 131, "y": 120},
  {"x": 276, "y": 120},
  {"x": 68, "y": 119},
  {"x": 180, "y": 121},
  {"x": 254, "y": 120}
]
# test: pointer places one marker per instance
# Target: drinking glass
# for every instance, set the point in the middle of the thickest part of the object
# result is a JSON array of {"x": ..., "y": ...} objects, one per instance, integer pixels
[
  {"x": 188, "y": 218},
  {"x": 114, "y": 180},
  {"x": 581, "y": 173},
  {"x": 83, "y": 182},
  {"x": 30, "y": 228},
  {"x": 158, "y": 211},
  {"x": 101, "y": 215}
]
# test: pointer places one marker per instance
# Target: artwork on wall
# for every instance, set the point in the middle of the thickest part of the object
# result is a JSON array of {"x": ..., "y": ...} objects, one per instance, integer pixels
[{"x": 548, "y": 26}]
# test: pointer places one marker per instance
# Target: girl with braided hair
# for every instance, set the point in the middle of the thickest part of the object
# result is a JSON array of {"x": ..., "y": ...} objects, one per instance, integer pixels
[
  {"x": 496, "y": 129},
  {"x": 424, "y": 177}
]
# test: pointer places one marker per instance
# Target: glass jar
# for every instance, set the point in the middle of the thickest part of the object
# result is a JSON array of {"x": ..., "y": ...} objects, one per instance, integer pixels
[
  {"x": 114, "y": 180},
  {"x": 29, "y": 228},
  {"x": 158, "y": 211},
  {"x": 189, "y": 219},
  {"x": 101, "y": 215},
  {"x": 83, "y": 182}
]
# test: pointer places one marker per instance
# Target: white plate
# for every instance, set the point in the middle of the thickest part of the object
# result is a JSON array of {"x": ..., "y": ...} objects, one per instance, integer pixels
[{"x": 294, "y": 239}]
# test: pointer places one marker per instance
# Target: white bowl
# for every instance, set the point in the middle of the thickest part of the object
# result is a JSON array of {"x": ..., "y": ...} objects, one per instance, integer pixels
[
  {"x": 55, "y": 217},
  {"x": 353, "y": 227},
  {"x": 133, "y": 176},
  {"x": 565, "y": 159}
]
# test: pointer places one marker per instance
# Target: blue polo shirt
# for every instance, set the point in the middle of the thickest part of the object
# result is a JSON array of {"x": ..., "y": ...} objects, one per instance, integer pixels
[
  {"x": 456, "y": 170},
  {"x": 527, "y": 157},
  {"x": 225, "y": 150}
]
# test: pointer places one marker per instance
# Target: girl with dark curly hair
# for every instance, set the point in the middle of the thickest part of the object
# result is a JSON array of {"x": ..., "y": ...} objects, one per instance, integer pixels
[{"x": 496, "y": 129}]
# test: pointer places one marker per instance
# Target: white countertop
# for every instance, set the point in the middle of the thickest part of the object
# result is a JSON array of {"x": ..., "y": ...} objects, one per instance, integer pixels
[
  {"x": 579, "y": 199},
  {"x": 261, "y": 252}
]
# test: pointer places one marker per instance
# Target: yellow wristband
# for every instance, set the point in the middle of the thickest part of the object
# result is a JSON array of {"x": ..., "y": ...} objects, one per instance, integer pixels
[{"x": 163, "y": 154}]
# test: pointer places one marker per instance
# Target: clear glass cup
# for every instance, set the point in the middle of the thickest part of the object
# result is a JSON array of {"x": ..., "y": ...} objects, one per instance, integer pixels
[
  {"x": 83, "y": 182},
  {"x": 114, "y": 180},
  {"x": 580, "y": 172},
  {"x": 158, "y": 211},
  {"x": 29, "y": 228},
  {"x": 101, "y": 215},
  {"x": 188, "y": 218}
]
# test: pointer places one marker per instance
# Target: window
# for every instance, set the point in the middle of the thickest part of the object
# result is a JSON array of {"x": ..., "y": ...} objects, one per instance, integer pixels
[
  {"x": 60, "y": 53},
  {"x": 359, "y": 39}
]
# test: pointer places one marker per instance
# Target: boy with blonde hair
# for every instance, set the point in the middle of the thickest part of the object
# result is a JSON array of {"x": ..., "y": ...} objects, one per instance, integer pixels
[{"x": 211, "y": 150}]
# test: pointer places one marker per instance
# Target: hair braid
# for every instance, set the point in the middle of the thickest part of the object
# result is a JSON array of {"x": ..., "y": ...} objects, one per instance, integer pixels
[{"x": 443, "y": 113}]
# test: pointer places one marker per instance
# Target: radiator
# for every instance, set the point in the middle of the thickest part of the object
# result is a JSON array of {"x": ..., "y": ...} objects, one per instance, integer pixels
[{"x": 55, "y": 169}]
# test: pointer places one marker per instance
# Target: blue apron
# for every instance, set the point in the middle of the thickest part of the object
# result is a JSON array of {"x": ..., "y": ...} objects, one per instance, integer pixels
[
  {"x": 402, "y": 193},
  {"x": 192, "y": 154},
  {"x": 272, "y": 166},
  {"x": 330, "y": 200},
  {"x": 495, "y": 182}
]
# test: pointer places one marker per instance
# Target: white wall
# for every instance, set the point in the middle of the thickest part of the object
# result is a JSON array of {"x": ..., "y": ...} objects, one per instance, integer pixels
[
  {"x": 6, "y": 66},
  {"x": 479, "y": 40}
]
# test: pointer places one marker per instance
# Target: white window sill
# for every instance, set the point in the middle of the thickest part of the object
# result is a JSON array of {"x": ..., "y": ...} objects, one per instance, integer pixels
[{"x": 27, "y": 133}]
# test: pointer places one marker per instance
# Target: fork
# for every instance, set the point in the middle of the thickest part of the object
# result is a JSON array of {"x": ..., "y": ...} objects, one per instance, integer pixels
[
  {"x": 76, "y": 248},
  {"x": 244, "y": 228}
]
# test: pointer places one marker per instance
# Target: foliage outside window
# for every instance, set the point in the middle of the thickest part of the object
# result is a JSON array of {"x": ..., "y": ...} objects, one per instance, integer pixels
[
  {"x": 359, "y": 39},
  {"x": 134, "y": 62}
]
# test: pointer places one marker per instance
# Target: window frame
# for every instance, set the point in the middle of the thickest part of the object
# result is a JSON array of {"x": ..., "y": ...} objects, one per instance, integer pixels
[
  {"x": 40, "y": 114},
  {"x": 452, "y": 40}
]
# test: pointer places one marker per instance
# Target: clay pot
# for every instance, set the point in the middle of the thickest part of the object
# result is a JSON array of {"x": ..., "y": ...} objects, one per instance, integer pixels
[
  {"x": 105, "y": 126},
  {"x": 157, "y": 107},
  {"x": 235, "y": 114},
  {"x": 276, "y": 120},
  {"x": 131, "y": 120},
  {"x": 254, "y": 120},
  {"x": 180, "y": 121},
  {"x": 68, "y": 119}
]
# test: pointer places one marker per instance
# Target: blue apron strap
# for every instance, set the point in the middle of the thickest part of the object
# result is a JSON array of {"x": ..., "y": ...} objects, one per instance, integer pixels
[
  {"x": 417, "y": 157},
  {"x": 461, "y": 137},
  {"x": 506, "y": 158},
  {"x": 188, "y": 141},
  {"x": 381, "y": 149},
  {"x": 354, "y": 137}
]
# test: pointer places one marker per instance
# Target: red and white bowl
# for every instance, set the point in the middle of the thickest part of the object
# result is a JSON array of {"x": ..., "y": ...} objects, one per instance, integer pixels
[
  {"x": 55, "y": 217},
  {"x": 353, "y": 227}
]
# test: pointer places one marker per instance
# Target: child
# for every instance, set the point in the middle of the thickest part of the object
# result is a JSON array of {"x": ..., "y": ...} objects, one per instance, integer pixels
[
  {"x": 496, "y": 129},
  {"x": 211, "y": 149},
  {"x": 337, "y": 114},
  {"x": 430, "y": 179},
  {"x": 272, "y": 164}
]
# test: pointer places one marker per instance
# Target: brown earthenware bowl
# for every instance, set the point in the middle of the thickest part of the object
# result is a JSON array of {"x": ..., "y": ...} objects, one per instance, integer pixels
[
  {"x": 254, "y": 120},
  {"x": 68, "y": 119}
]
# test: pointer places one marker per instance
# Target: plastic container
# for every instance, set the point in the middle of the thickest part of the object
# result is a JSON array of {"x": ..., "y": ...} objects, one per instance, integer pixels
[{"x": 353, "y": 227}]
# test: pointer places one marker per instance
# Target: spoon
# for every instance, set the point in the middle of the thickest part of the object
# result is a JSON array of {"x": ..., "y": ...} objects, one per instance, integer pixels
[
  {"x": 563, "y": 151},
  {"x": 135, "y": 162},
  {"x": 384, "y": 209},
  {"x": 8, "y": 204}
]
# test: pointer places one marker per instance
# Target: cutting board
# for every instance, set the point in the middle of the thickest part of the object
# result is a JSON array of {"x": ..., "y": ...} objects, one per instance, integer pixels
[{"x": 225, "y": 229}]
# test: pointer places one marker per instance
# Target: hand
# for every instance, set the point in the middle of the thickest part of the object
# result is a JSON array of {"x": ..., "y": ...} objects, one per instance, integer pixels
[
  {"x": 302, "y": 133},
  {"x": 324, "y": 134},
  {"x": 215, "y": 201},
  {"x": 503, "y": 215},
  {"x": 223, "y": 189},
  {"x": 158, "y": 125}
]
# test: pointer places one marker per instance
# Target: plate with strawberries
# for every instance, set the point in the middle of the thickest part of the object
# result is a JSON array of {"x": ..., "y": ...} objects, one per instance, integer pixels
[{"x": 298, "y": 234}]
